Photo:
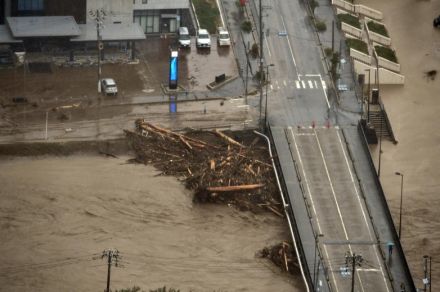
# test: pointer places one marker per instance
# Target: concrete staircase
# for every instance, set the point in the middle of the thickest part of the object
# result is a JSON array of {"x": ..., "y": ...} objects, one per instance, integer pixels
[{"x": 378, "y": 121}]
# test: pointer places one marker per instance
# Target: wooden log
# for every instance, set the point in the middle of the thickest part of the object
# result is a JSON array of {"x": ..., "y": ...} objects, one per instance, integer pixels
[
  {"x": 169, "y": 132},
  {"x": 229, "y": 139},
  {"x": 185, "y": 142},
  {"x": 234, "y": 188},
  {"x": 212, "y": 162},
  {"x": 274, "y": 211}
]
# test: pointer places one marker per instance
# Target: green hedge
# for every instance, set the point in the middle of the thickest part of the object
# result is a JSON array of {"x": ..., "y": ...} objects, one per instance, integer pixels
[
  {"x": 386, "y": 53},
  {"x": 349, "y": 19},
  {"x": 208, "y": 14},
  {"x": 358, "y": 45},
  {"x": 377, "y": 28}
]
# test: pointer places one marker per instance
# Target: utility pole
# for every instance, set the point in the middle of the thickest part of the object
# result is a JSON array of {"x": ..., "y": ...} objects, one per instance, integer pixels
[
  {"x": 99, "y": 17},
  {"x": 261, "y": 59},
  {"x": 247, "y": 73},
  {"x": 353, "y": 260},
  {"x": 111, "y": 254}
]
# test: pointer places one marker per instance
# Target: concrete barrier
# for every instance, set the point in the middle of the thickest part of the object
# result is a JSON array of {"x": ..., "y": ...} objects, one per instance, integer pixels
[
  {"x": 358, "y": 9},
  {"x": 387, "y": 64},
  {"x": 375, "y": 37},
  {"x": 351, "y": 30},
  {"x": 355, "y": 54},
  {"x": 367, "y": 11},
  {"x": 385, "y": 76}
]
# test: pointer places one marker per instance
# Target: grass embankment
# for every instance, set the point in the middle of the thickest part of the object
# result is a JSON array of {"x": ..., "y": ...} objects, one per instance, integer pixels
[
  {"x": 350, "y": 20},
  {"x": 386, "y": 53},
  {"x": 377, "y": 28},
  {"x": 358, "y": 45},
  {"x": 208, "y": 14}
]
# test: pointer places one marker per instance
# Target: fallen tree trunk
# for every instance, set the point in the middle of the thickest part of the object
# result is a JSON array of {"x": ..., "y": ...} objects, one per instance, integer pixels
[
  {"x": 227, "y": 138},
  {"x": 234, "y": 188}
]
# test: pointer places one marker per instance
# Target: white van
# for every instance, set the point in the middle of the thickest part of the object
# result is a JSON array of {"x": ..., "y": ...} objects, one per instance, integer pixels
[{"x": 184, "y": 37}]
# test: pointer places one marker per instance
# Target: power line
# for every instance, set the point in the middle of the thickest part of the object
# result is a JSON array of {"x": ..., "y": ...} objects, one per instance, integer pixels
[{"x": 112, "y": 256}]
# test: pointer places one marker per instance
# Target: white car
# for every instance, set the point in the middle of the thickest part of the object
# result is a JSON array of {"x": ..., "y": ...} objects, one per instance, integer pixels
[
  {"x": 203, "y": 39},
  {"x": 108, "y": 86},
  {"x": 223, "y": 38}
]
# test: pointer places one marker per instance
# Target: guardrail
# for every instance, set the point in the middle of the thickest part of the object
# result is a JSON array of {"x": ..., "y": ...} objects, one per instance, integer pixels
[{"x": 387, "y": 209}]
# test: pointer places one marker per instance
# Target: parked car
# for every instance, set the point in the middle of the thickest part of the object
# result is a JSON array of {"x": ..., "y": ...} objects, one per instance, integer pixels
[
  {"x": 203, "y": 39},
  {"x": 436, "y": 22},
  {"x": 184, "y": 38},
  {"x": 108, "y": 86},
  {"x": 223, "y": 38}
]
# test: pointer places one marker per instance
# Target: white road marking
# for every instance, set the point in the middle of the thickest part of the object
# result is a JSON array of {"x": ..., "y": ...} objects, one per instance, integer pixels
[
  {"x": 284, "y": 82},
  {"x": 361, "y": 206},
  {"x": 221, "y": 14},
  {"x": 310, "y": 84},
  {"x": 290, "y": 47},
  {"x": 303, "y": 83},
  {"x": 323, "y": 84},
  {"x": 313, "y": 75},
  {"x": 316, "y": 83},
  {"x": 271, "y": 87},
  {"x": 312, "y": 202},
  {"x": 267, "y": 45},
  {"x": 297, "y": 84},
  {"x": 325, "y": 92}
]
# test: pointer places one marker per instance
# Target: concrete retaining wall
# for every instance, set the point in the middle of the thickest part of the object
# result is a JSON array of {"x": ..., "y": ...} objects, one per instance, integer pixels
[
  {"x": 351, "y": 30},
  {"x": 387, "y": 64},
  {"x": 355, "y": 54},
  {"x": 385, "y": 76},
  {"x": 358, "y": 9}
]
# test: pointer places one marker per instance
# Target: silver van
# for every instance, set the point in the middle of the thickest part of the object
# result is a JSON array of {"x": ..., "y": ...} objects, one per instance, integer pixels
[{"x": 184, "y": 37}]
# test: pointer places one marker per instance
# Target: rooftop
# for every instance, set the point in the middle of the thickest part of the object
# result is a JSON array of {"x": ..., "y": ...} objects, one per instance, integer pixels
[{"x": 43, "y": 26}]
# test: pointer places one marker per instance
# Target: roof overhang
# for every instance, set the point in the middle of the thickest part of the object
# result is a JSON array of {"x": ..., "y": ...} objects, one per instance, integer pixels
[
  {"x": 6, "y": 36},
  {"x": 110, "y": 32},
  {"x": 43, "y": 26}
]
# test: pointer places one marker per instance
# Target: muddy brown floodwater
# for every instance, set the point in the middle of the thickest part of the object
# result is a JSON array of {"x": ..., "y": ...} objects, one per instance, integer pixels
[{"x": 58, "y": 213}]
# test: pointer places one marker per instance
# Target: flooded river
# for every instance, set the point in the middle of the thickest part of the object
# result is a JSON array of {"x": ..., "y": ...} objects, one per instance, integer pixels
[{"x": 57, "y": 215}]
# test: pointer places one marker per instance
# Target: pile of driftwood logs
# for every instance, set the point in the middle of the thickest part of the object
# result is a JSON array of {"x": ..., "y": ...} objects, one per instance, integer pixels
[
  {"x": 283, "y": 255},
  {"x": 232, "y": 168}
]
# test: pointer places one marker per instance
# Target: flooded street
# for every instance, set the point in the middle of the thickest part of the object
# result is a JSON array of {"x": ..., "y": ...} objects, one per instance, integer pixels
[{"x": 57, "y": 215}]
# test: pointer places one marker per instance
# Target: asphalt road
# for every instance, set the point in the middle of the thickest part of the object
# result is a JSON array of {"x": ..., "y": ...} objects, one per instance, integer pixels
[
  {"x": 299, "y": 101},
  {"x": 338, "y": 210}
]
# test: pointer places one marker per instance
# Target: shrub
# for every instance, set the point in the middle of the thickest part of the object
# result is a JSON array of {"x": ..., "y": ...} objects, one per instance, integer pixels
[
  {"x": 246, "y": 26},
  {"x": 255, "y": 52},
  {"x": 328, "y": 52},
  {"x": 349, "y": 19},
  {"x": 334, "y": 66},
  {"x": 320, "y": 25},
  {"x": 313, "y": 5},
  {"x": 386, "y": 53},
  {"x": 258, "y": 76},
  {"x": 358, "y": 45},
  {"x": 208, "y": 14},
  {"x": 377, "y": 28}
]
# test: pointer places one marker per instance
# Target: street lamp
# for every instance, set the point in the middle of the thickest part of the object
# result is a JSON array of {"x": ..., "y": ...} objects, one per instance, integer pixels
[
  {"x": 401, "y": 200},
  {"x": 368, "y": 95},
  {"x": 316, "y": 270},
  {"x": 267, "y": 85}
]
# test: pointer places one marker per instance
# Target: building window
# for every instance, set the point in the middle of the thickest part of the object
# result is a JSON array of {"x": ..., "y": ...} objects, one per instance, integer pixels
[
  {"x": 149, "y": 20},
  {"x": 30, "y": 5},
  {"x": 144, "y": 1}
]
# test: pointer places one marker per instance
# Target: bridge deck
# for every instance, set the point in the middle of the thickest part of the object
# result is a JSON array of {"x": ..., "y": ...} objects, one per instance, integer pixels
[{"x": 337, "y": 209}]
